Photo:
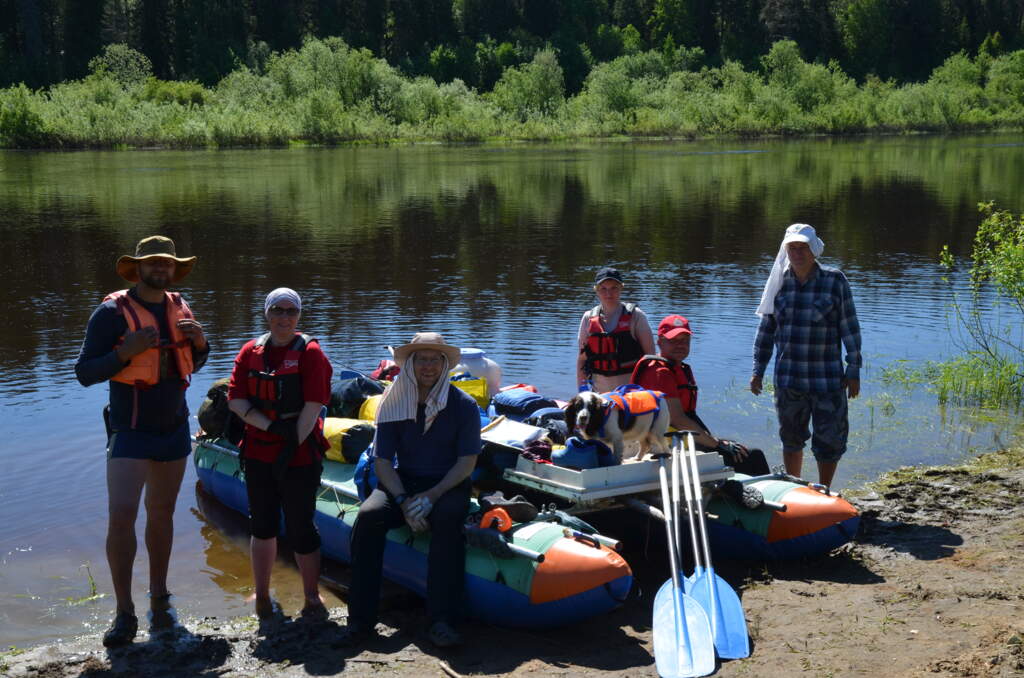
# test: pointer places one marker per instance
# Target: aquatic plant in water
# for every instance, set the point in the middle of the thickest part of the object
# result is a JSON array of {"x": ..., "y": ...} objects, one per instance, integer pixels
[
  {"x": 94, "y": 593},
  {"x": 991, "y": 371}
]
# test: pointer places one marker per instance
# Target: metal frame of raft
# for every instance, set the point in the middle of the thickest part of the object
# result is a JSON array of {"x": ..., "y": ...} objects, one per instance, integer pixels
[
  {"x": 577, "y": 579},
  {"x": 812, "y": 522}
]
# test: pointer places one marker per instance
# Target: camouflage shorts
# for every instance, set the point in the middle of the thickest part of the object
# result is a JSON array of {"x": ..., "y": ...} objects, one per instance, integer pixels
[{"x": 826, "y": 413}]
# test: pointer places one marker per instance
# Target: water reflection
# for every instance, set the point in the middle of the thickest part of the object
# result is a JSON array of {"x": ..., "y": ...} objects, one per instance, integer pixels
[{"x": 494, "y": 246}]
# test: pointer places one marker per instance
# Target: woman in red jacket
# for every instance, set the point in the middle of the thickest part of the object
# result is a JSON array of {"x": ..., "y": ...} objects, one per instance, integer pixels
[{"x": 279, "y": 385}]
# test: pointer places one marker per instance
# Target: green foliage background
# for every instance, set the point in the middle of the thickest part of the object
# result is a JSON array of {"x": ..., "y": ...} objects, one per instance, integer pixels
[
  {"x": 329, "y": 92},
  {"x": 991, "y": 371},
  {"x": 43, "y": 42},
  {"x": 186, "y": 73}
]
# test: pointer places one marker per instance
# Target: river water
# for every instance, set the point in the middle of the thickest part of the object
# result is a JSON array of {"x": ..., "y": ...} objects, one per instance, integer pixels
[{"x": 496, "y": 247}]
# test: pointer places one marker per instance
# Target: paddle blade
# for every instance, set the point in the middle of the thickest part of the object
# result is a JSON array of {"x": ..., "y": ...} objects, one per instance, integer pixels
[
  {"x": 725, "y": 614},
  {"x": 683, "y": 642}
]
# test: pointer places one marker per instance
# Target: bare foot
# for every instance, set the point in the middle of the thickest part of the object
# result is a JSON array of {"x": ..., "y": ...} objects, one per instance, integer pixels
[{"x": 265, "y": 607}]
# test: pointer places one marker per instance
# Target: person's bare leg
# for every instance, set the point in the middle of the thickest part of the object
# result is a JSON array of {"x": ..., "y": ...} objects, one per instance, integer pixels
[
  {"x": 309, "y": 569},
  {"x": 262, "y": 552},
  {"x": 826, "y": 471},
  {"x": 125, "y": 480},
  {"x": 794, "y": 462},
  {"x": 163, "y": 480}
]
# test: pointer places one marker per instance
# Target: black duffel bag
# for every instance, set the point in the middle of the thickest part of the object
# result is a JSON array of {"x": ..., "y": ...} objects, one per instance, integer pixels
[{"x": 348, "y": 394}]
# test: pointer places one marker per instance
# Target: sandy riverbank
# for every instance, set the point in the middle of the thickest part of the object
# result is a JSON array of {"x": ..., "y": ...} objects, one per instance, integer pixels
[{"x": 933, "y": 586}]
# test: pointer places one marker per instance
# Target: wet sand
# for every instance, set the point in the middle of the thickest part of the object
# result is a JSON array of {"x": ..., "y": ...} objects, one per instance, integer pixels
[{"x": 934, "y": 585}]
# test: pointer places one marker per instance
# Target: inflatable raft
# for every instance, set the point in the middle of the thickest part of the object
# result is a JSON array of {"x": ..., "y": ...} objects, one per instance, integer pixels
[
  {"x": 813, "y": 522},
  {"x": 576, "y": 580}
]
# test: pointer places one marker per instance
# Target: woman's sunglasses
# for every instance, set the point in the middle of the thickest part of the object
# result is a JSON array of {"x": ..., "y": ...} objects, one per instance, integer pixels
[{"x": 277, "y": 311}]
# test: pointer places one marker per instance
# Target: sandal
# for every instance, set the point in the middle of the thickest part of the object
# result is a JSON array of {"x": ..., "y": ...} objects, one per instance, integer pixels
[
  {"x": 267, "y": 609},
  {"x": 356, "y": 634},
  {"x": 122, "y": 630},
  {"x": 443, "y": 634},
  {"x": 315, "y": 612}
]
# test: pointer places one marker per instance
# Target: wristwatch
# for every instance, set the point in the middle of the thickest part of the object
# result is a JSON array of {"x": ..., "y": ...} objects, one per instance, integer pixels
[{"x": 400, "y": 499}]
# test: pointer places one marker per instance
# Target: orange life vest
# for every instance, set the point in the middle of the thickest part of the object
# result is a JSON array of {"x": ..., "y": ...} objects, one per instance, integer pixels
[
  {"x": 686, "y": 385},
  {"x": 615, "y": 352},
  {"x": 635, "y": 402},
  {"x": 143, "y": 370},
  {"x": 631, "y": 401}
]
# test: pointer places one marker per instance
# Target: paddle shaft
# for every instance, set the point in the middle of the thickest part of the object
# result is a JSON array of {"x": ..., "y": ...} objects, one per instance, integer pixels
[
  {"x": 691, "y": 455},
  {"x": 666, "y": 501},
  {"x": 675, "y": 508},
  {"x": 688, "y": 492}
]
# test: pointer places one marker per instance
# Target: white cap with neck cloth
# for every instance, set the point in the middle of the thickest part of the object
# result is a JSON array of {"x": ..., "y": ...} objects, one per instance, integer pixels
[{"x": 795, "y": 233}]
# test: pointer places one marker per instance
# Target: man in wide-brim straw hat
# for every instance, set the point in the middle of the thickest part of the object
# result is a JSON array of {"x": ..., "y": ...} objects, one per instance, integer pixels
[
  {"x": 145, "y": 342},
  {"x": 149, "y": 249},
  {"x": 432, "y": 430}
]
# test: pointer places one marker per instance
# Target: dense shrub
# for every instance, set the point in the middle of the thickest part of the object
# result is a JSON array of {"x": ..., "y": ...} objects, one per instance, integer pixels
[
  {"x": 21, "y": 125},
  {"x": 536, "y": 88},
  {"x": 328, "y": 92},
  {"x": 1006, "y": 79},
  {"x": 185, "y": 93},
  {"x": 124, "y": 64}
]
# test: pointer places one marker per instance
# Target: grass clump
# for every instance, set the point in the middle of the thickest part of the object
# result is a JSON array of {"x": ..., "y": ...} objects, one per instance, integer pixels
[
  {"x": 980, "y": 380},
  {"x": 93, "y": 594}
]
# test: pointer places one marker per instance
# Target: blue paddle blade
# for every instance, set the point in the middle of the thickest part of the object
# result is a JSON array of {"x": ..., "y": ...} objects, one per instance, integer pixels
[
  {"x": 689, "y": 582},
  {"x": 683, "y": 642},
  {"x": 725, "y": 615}
]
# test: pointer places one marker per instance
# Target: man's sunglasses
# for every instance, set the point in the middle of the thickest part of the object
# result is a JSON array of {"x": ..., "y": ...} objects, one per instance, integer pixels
[{"x": 278, "y": 311}]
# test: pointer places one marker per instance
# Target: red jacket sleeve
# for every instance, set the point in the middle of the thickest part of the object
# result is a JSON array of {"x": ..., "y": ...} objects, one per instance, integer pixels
[
  {"x": 316, "y": 373},
  {"x": 238, "y": 387}
]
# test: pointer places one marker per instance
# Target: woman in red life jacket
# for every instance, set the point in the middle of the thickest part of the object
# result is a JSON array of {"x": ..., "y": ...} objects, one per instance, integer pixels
[
  {"x": 279, "y": 384},
  {"x": 612, "y": 337}
]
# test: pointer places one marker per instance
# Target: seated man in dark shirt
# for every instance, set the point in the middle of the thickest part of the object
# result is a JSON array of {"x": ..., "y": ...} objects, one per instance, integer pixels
[
  {"x": 146, "y": 344},
  {"x": 669, "y": 374},
  {"x": 432, "y": 429}
]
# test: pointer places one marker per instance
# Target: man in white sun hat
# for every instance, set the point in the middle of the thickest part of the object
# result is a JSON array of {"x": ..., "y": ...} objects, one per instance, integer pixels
[
  {"x": 432, "y": 430},
  {"x": 807, "y": 318}
]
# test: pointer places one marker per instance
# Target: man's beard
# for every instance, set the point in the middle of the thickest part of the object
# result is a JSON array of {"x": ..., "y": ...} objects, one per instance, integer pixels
[{"x": 162, "y": 282}]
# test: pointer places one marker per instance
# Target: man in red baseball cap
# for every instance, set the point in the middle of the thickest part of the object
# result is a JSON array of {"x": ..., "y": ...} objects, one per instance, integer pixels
[{"x": 668, "y": 373}]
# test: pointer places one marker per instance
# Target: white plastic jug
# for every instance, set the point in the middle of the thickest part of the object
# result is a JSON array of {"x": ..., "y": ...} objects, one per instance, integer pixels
[{"x": 476, "y": 362}]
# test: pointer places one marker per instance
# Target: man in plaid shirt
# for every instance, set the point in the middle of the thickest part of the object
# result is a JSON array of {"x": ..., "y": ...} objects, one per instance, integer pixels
[{"x": 806, "y": 312}]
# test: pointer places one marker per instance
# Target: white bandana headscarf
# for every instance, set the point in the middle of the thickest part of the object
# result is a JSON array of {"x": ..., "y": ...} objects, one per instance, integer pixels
[
  {"x": 795, "y": 233},
  {"x": 282, "y": 294},
  {"x": 400, "y": 401}
]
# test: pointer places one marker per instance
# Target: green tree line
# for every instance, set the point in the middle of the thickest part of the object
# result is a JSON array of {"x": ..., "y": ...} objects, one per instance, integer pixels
[
  {"x": 327, "y": 92},
  {"x": 43, "y": 42}
]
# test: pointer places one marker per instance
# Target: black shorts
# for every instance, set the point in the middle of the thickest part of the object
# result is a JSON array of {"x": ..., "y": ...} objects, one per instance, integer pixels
[
  {"x": 295, "y": 497},
  {"x": 153, "y": 446}
]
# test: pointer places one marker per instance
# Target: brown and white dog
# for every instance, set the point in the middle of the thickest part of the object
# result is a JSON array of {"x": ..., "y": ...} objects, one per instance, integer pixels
[{"x": 606, "y": 417}]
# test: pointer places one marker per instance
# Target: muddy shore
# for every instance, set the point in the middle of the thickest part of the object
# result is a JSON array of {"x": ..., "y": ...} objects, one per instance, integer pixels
[{"x": 934, "y": 585}]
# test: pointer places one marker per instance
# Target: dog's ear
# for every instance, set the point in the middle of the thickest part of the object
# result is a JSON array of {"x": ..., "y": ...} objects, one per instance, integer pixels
[
  {"x": 595, "y": 421},
  {"x": 571, "y": 410}
]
